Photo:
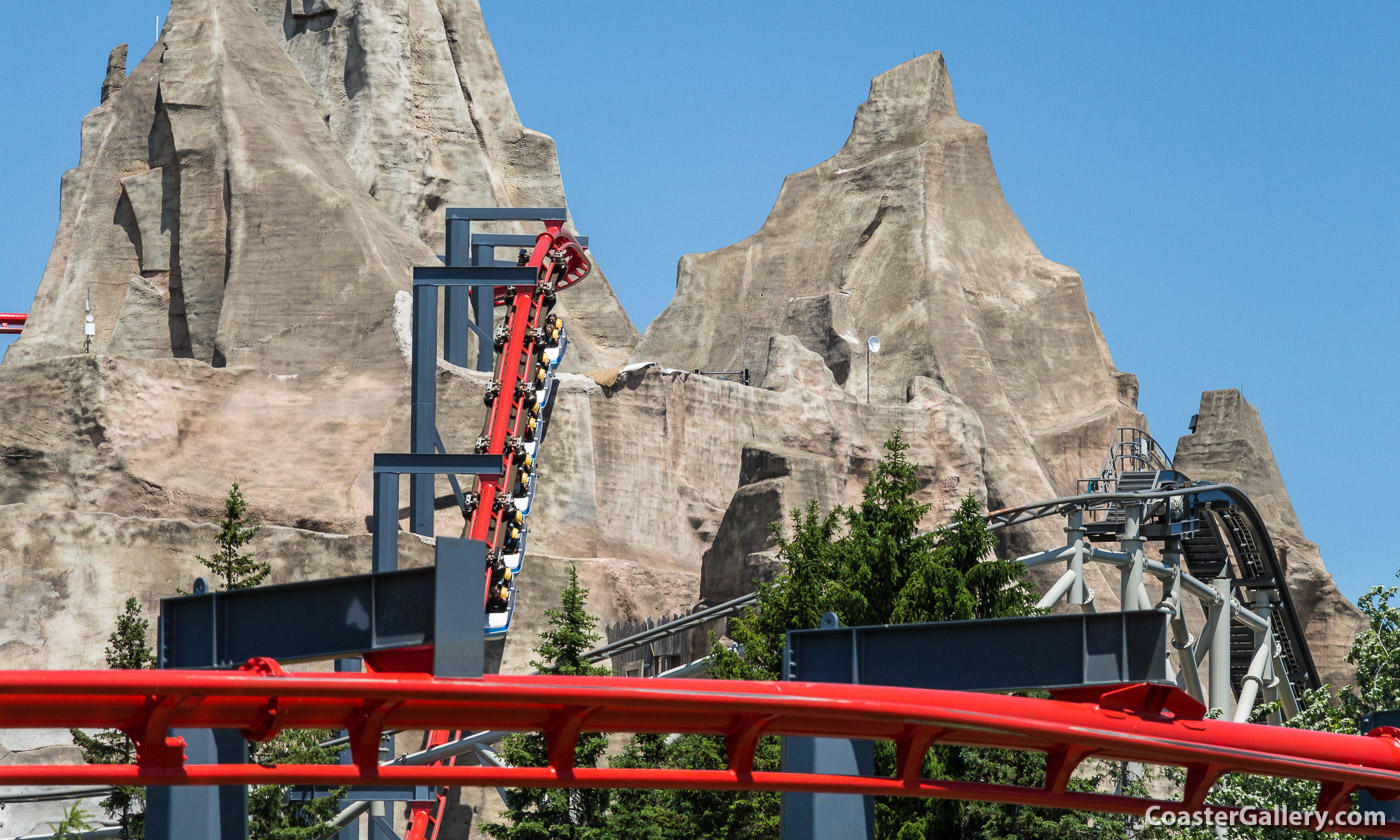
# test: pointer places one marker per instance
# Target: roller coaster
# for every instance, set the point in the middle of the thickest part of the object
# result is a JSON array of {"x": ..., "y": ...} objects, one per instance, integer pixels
[{"x": 1214, "y": 548}]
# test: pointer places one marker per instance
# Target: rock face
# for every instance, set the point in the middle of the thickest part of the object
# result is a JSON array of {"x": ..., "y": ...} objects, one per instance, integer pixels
[
  {"x": 248, "y": 205},
  {"x": 413, "y": 94},
  {"x": 1229, "y": 446},
  {"x": 904, "y": 233}
]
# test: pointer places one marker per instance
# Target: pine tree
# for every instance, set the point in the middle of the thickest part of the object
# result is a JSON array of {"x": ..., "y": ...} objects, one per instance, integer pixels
[
  {"x": 271, "y": 815},
  {"x": 126, "y": 650},
  {"x": 238, "y": 569},
  {"x": 877, "y": 569},
  {"x": 558, "y": 814}
]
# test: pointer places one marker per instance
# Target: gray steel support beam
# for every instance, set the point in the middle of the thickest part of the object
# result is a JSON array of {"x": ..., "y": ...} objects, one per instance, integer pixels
[
  {"x": 1220, "y": 694},
  {"x": 1181, "y": 634},
  {"x": 507, "y": 214},
  {"x": 1131, "y": 580},
  {"x": 1039, "y": 652},
  {"x": 422, "y": 433},
  {"x": 825, "y": 816},
  {"x": 1253, "y": 681},
  {"x": 179, "y": 812},
  {"x": 1271, "y": 677},
  {"x": 336, "y": 617},
  {"x": 456, "y": 317},
  {"x": 384, "y": 550},
  {"x": 1258, "y": 680},
  {"x": 513, "y": 240},
  {"x": 1287, "y": 699},
  {"x": 1053, "y": 595},
  {"x": 459, "y": 616},
  {"x": 484, "y": 312},
  {"x": 1074, "y": 533}
]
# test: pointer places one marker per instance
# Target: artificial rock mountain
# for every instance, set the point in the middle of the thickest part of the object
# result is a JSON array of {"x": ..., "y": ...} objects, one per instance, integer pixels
[{"x": 244, "y": 216}]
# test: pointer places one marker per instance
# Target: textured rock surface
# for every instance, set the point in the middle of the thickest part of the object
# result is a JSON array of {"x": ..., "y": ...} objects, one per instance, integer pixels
[
  {"x": 414, "y": 96},
  {"x": 1229, "y": 445},
  {"x": 905, "y": 233}
]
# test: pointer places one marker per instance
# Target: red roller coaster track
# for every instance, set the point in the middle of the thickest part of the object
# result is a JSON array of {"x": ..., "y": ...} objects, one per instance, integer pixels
[{"x": 1143, "y": 723}]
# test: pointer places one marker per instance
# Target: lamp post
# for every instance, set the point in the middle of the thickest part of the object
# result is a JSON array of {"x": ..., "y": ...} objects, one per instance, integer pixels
[{"x": 872, "y": 346}]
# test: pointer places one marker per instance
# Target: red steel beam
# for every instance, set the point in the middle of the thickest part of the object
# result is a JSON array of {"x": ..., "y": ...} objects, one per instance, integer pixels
[
  {"x": 12, "y": 323},
  {"x": 1150, "y": 724}
]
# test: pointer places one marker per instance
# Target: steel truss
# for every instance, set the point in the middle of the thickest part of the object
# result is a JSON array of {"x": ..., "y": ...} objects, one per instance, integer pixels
[
  {"x": 1214, "y": 547},
  {"x": 1140, "y": 723}
]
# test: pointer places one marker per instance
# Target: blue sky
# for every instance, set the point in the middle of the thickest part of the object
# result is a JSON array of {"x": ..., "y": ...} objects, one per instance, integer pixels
[{"x": 1225, "y": 177}]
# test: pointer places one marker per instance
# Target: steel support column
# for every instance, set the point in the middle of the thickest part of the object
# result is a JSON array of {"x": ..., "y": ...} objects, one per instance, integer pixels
[
  {"x": 456, "y": 317},
  {"x": 484, "y": 312},
  {"x": 459, "y": 633},
  {"x": 1074, "y": 533},
  {"x": 422, "y": 433},
  {"x": 179, "y": 813},
  {"x": 1258, "y": 680},
  {"x": 1131, "y": 582},
  {"x": 825, "y": 816},
  {"x": 1220, "y": 695},
  {"x": 1190, "y": 675},
  {"x": 384, "y": 550}
]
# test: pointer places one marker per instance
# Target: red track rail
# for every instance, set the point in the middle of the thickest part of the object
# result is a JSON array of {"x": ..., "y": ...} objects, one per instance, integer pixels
[
  {"x": 1150, "y": 724},
  {"x": 12, "y": 323},
  {"x": 561, "y": 263}
]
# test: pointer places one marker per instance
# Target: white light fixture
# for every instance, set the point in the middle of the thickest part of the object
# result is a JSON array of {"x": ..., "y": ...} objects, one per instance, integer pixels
[{"x": 872, "y": 346}]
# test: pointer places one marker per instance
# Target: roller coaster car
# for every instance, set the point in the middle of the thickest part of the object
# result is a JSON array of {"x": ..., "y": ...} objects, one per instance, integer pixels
[
  {"x": 555, "y": 350},
  {"x": 498, "y": 623}
]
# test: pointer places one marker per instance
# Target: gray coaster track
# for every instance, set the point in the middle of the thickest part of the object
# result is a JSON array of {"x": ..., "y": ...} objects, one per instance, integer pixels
[{"x": 1214, "y": 546}]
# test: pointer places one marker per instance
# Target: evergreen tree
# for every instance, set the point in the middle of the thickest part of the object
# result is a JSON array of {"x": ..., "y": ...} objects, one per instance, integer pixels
[
  {"x": 126, "y": 650},
  {"x": 238, "y": 569},
  {"x": 271, "y": 815},
  {"x": 870, "y": 565},
  {"x": 558, "y": 814}
]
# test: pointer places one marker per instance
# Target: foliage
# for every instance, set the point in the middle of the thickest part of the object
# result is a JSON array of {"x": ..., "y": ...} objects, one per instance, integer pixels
[
  {"x": 870, "y": 565},
  {"x": 126, "y": 650},
  {"x": 238, "y": 569},
  {"x": 558, "y": 814},
  {"x": 271, "y": 816},
  {"x": 74, "y": 820}
]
